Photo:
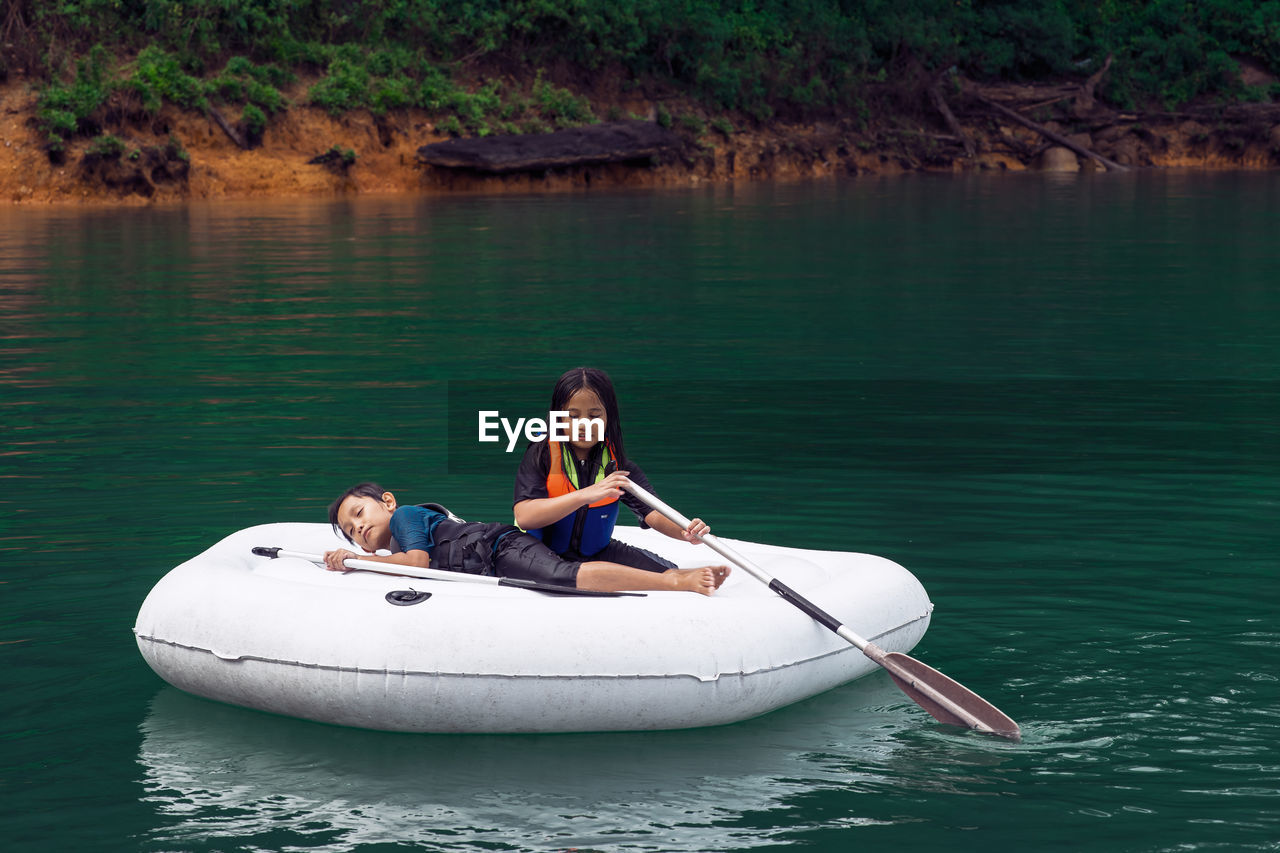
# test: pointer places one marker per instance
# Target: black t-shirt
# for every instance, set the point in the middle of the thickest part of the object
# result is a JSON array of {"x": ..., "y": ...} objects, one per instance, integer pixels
[{"x": 531, "y": 478}]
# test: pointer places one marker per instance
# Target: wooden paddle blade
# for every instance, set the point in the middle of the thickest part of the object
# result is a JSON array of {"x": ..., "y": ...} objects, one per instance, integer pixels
[{"x": 946, "y": 700}]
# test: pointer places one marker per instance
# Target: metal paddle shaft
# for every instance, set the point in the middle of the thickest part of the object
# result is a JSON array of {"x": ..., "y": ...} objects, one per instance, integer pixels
[
  {"x": 944, "y": 698},
  {"x": 395, "y": 570}
]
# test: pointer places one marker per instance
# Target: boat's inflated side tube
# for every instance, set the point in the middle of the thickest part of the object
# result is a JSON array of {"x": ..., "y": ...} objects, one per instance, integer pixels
[{"x": 286, "y": 636}]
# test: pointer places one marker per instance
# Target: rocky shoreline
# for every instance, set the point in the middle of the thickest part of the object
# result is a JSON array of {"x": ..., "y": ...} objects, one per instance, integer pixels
[{"x": 181, "y": 155}]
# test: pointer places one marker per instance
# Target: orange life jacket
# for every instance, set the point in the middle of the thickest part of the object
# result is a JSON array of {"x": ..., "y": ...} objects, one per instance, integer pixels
[{"x": 590, "y": 528}]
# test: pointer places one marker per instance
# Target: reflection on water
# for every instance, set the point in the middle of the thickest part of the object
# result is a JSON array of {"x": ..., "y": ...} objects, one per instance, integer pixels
[{"x": 216, "y": 772}]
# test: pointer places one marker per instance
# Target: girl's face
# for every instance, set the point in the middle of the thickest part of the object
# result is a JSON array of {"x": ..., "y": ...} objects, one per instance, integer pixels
[{"x": 585, "y": 404}]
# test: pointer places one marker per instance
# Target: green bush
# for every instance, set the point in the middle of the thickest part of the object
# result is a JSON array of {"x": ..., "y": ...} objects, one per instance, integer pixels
[
  {"x": 694, "y": 124},
  {"x": 60, "y": 123},
  {"x": 242, "y": 82},
  {"x": 474, "y": 109},
  {"x": 560, "y": 106},
  {"x": 450, "y": 125},
  {"x": 159, "y": 77},
  {"x": 265, "y": 96},
  {"x": 391, "y": 93},
  {"x": 66, "y": 109},
  {"x": 344, "y": 87},
  {"x": 255, "y": 122},
  {"x": 435, "y": 91},
  {"x": 106, "y": 147},
  {"x": 231, "y": 89},
  {"x": 391, "y": 61},
  {"x": 266, "y": 75}
]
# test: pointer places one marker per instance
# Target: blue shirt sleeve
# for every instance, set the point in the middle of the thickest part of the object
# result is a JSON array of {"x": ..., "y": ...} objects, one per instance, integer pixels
[{"x": 414, "y": 527}]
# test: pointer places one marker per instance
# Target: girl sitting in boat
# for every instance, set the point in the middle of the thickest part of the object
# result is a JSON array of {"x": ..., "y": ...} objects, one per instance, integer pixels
[
  {"x": 567, "y": 494},
  {"x": 428, "y": 536}
]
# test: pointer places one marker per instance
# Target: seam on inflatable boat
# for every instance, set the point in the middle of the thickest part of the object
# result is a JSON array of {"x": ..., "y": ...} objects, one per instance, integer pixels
[{"x": 565, "y": 676}]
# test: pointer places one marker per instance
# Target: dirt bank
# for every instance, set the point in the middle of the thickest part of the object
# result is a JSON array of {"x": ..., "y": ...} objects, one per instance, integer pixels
[{"x": 209, "y": 165}]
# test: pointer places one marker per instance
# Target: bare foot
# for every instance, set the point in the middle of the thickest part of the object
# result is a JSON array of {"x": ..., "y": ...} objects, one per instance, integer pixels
[{"x": 701, "y": 580}]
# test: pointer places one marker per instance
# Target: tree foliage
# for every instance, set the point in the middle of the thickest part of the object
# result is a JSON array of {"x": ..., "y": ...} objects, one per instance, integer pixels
[{"x": 759, "y": 57}]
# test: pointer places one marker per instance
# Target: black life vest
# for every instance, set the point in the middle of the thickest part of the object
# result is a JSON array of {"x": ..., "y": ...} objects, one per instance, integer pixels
[{"x": 463, "y": 546}]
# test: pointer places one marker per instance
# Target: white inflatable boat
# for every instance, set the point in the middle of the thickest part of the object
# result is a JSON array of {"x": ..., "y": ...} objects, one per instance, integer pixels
[{"x": 284, "y": 635}]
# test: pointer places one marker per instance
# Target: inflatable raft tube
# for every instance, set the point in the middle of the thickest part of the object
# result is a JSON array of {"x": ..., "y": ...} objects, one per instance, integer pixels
[{"x": 287, "y": 637}]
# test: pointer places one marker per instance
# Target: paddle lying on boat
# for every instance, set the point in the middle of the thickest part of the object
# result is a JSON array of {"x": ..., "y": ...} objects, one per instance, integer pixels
[
  {"x": 947, "y": 700},
  {"x": 357, "y": 564}
]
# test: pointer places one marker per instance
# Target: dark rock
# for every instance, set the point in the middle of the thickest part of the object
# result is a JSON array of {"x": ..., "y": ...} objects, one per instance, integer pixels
[
  {"x": 1059, "y": 159},
  {"x": 336, "y": 160},
  {"x": 612, "y": 142}
]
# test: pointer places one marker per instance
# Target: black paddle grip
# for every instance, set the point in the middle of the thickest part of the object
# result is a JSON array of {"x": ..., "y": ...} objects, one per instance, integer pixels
[
  {"x": 267, "y": 552},
  {"x": 805, "y": 604}
]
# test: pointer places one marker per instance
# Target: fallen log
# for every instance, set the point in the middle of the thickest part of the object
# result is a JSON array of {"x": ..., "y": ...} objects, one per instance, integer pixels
[
  {"x": 227, "y": 128},
  {"x": 940, "y": 104},
  {"x": 1049, "y": 134},
  {"x": 611, "y": 142},
  {"x": 1085, "y": 102}
]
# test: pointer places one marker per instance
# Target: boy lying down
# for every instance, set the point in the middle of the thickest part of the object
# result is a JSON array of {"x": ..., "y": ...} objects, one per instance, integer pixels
[{"x": 427, "y": 537}]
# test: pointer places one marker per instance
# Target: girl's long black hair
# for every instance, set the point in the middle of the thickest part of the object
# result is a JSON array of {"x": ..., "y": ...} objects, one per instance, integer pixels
[{"x": 597, "y": 381}]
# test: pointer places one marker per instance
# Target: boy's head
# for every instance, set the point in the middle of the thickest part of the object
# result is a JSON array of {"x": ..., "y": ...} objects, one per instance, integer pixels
[{"x": 362, "y": 514}]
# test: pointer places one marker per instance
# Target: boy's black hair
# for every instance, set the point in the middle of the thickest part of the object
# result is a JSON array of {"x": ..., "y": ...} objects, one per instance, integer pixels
[
  {"x": 596, "y": 380},
  {"x": 360, "y": 490}
]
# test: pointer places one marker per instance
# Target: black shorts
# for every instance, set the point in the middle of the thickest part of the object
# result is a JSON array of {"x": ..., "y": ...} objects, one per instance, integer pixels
[
  {"x": 519, "y": 555},
  {"x": 627, "y": 555}
]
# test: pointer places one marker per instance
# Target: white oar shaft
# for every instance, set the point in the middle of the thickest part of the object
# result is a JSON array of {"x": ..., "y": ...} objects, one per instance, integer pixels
[
  {"x": 402, "y": 571},
  {"x": 395, "y": 569},
  {"x": 944, "y": 698},
  {"x": 711, "y": 541},
  {"x": 751, "y": 568}
]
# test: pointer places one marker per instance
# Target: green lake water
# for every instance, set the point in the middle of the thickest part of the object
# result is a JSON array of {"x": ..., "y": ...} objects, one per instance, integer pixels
[{"x": 1056, "y": 401}]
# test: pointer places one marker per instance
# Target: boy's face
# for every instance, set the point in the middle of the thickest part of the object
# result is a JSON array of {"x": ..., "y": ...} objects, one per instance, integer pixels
[{"x": 367, "y": 521}]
